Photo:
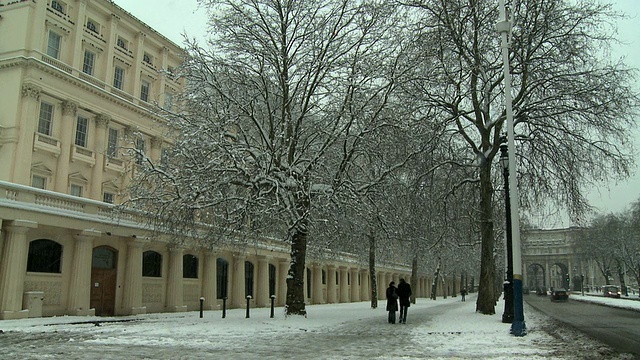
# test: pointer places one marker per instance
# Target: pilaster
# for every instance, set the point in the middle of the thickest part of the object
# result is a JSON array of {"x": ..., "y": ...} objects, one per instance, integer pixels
[
  {"x": 132, "y": 295},
  {"x": 209, "y": 281},
  {"x": 331, "y": 284},
  {"x": 69, "y": 110},
  {"x": 101, "y": 122},
  {"x": 80, "y": 289},
  {"x": 175, "y": 289}
]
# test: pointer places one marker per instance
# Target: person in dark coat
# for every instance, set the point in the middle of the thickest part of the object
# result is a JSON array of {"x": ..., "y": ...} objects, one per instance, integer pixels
[
  {"x": 392, "y": 302},
  {"x": 404, "y": 293},
  {"x": 463, "y": 292}
]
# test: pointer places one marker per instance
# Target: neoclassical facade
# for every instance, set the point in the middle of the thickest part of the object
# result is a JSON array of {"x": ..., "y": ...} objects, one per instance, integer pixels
[{"x": 82, "y": 82}]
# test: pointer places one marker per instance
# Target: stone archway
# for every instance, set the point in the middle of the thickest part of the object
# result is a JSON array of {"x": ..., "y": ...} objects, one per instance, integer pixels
[{"x": 535, "y": 276}]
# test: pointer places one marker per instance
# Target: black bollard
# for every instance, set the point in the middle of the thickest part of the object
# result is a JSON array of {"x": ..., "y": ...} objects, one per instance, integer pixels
[
  {"x": 248, "y": 301},
  {"x": 273, "y": 298},
  {"x": 224, "y": 307},
  {"x": 201, "y": 307}
]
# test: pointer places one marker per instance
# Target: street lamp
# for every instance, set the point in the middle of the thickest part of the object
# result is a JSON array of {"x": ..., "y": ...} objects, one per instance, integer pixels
[{"x": 507, "y": 316}]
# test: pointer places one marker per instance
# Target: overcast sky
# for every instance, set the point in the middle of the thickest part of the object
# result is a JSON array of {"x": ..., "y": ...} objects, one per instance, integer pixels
[{"x": 172, "y": 18}]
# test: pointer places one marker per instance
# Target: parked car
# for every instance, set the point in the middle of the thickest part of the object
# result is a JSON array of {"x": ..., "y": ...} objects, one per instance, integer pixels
[
  {"x": 541, "y": 291},
  {"x": 611, "y": 291},
  {"x": 559, "y": 295}
]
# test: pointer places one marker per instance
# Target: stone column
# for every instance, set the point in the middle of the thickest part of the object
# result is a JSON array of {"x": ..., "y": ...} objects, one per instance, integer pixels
[
  {"x": 78, "y": 54},
  {"x": 175, "y": 288},
  {"x": 102, "y": 122},
  {"x": 80, "y": 289},
  {"x": 69, "y": 110},
  {"x": 262, "y": 286},
  {"x": 316, "y": 287},
  {"x": 12, "y": 269},
  {"x": 344, "y": 284},
  {"x": 281, "y": 282},
  {"x": 23, "y": 149},
  {"x": 365, "y": 294},
  {"x": 209, "y": 281},
  {"x": 355, "y": 285},
  {"x": 237, "y": 288},
  {"x": 132, "y": 294},
  {"x": 331, "y": 284}
]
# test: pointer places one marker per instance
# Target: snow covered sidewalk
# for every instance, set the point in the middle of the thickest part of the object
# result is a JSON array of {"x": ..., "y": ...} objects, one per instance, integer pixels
[{"x": 440, "y": 329}]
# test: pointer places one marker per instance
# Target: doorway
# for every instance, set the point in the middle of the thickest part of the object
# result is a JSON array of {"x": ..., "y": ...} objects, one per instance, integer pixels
[{"x": 103, "y": 280}]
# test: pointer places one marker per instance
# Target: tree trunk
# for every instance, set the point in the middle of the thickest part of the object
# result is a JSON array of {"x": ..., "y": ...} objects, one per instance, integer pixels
[
  {"x": 295, "y": 279},
  {"x": 623, "y": 284},
  {"x": 486, "y": 291},
  {"x": 372, "y": 271},
  {"x": 414, "y": 278}
]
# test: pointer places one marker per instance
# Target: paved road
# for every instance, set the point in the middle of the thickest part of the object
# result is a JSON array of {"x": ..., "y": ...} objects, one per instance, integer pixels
[{"x": 618, "y": 328}]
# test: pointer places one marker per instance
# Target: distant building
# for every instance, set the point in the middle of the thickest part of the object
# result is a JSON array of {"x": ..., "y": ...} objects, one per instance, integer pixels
[
  {"x": 80, "y": 83},
  {"x": 549, "y": 258}
]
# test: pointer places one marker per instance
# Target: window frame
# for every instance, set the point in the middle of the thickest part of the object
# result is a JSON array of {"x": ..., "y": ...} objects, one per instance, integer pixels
[
  {"x": 151, "y": 264},
  {"x": 118, "y": 77},
  {"x": 89, "y": 62},
  {"x": 145, "y": 90},
  {"x": 44, "y": 181},
  {"x": 112, "y": 143},
  {"x": 53, "y": 50},
  {"x": 82, "y": 131},
  {"x": 76, "y": 190},
  {"x": 45, "y": 118},
  {"x": 44, "y": 256}
]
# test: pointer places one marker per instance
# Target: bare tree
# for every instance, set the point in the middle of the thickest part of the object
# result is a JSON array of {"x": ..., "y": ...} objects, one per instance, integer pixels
[
  {"x": 277, "y": 113},
  {"x": 573, "y": 106}
]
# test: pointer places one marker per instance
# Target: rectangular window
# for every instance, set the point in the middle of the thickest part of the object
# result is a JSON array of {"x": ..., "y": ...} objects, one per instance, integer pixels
[
  {"x": 45, "y": 119},
  {"x": 76, "y": 190},
  {"x": 118, "y": 78},
  {"x": 82, "y": 127},
  {"x": 108, "y": 197},
  {"x": 112, "y": 143},
  {"x": 140, "y": 151},
  {"x": 144, "y": 91},
  {"x": 89, "y": 61},
  {"x": 38, "y": 182},
  {"x": 53, "y": 46},
  {"x": 168, "y": 101},
  {"x": 147, "y": 58}
]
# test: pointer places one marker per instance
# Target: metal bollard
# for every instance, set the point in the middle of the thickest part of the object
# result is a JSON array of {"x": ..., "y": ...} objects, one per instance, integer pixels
[
  {"x": 224, "y": 307},
  {"x": 248, "y": 301},
  {"x": 201, "y": 307},
  {"x": 273, "y": 298}
]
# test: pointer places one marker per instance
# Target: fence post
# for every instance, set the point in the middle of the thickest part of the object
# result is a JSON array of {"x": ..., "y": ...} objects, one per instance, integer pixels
[
  {"x": 201, "y": 307},
  {"x": 248, "y": 302},
  {"x": 273, "y": 298}
]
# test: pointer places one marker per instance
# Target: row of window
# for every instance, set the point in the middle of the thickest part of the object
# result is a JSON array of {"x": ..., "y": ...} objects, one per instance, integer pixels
[
  {"x": 45, "y": 256},
  {"x": 119, "y": 72}
]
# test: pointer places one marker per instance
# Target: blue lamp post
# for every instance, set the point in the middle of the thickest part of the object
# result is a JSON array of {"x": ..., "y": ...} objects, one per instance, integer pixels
[{"x": 507, "y": 315}]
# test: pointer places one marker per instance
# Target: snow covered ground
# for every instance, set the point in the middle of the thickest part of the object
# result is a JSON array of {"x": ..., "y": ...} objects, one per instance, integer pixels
[{"x": 440, "y": 329}]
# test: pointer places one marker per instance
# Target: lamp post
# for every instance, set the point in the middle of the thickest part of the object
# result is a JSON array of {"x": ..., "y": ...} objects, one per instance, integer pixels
[
  {"x": 507, "y": 315},
  {"x": 518, "y": 326}
]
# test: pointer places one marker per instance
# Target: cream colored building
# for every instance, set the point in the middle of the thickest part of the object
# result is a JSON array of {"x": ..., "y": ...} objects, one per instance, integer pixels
[{"x": 80, "y": 82}]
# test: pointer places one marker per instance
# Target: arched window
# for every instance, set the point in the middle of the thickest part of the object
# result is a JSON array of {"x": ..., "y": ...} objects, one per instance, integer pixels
[
  {"x": 151, "y": 264},
  {"x": 104, "y": 258},
  {"x": 248, "y": 278},
  {"x": 44, "y": 256},
  {"x": 190, "y": 266},
  {"x": 222, "y": 277},
  {"x": 272, "y": 279}
]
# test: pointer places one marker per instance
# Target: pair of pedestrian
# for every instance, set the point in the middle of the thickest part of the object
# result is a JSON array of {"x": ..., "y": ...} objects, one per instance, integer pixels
[{"x": 401, "y": 293}]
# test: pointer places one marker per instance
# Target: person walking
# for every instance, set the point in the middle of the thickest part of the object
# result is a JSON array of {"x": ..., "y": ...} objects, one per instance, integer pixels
[
  {"x": 463, "y": 293},
  {"x": 392, "y": 302},
  {"x": 404, "y": 293}
]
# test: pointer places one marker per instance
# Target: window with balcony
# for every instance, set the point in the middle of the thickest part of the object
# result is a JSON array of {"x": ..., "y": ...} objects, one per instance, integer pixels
[
  {"x": 82, "y": 128},
  {"x": 144, "y": 91},
  {"x": 45, "y": 119},
  {"x": 75, "y": 190},
  {"x": 93, "y": 26},
  {"x": 53, "y": 45},
  {"x": 39, "y": 182},
  {"x": 89, "y": 62},
  {"x": 112, "y": 143},
  {"x": 140, "y": 149},
  {"x": 108, "y": 197},
  {"x": 118, "y": 78}
]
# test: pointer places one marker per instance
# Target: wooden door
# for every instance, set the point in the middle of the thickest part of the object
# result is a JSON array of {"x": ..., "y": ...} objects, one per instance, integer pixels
[{"x": 103, "y": 281}]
